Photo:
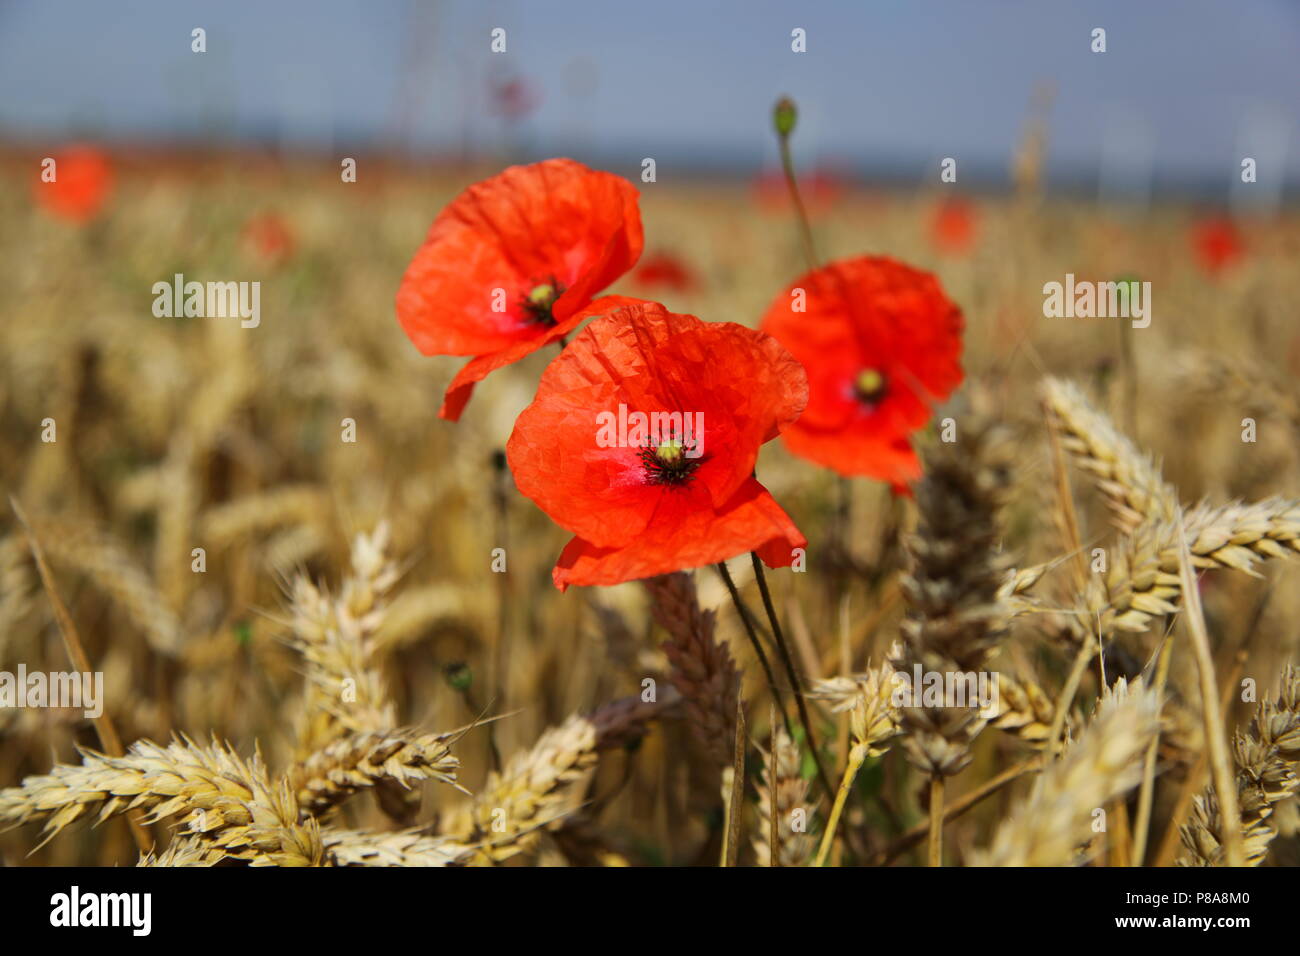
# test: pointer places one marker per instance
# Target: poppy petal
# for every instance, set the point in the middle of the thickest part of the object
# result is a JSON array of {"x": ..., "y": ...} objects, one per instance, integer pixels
[
  {"x": 682, "y": 538},
  {"x": 478, "y": 368},
  {"x": 640, "y": 358},
  {"x": 555, "y": 223},
  {"x": 872, "y": 315}
]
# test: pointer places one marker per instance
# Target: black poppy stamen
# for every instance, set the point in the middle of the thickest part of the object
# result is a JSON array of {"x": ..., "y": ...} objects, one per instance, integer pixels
[
  {"x": 869, "y": 386},
  {"x": 669, "y": 462},
  {"x": 539, "y": 300}
]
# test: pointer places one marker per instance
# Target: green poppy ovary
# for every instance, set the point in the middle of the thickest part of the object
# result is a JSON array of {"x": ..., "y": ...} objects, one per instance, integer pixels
[
  {"x": 543, "y": 296},
  {"x": 870, "y": 385},
  {"x": 670, "y": 452}
]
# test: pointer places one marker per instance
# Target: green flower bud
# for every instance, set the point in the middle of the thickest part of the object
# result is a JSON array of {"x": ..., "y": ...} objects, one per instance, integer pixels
[{"x": 784, "y": 116}]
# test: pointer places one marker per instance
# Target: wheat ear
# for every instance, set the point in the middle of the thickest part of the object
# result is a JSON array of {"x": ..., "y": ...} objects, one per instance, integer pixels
[
  {"x": 702, "y": 668},
  {"x": 360, "y": 761},
  {"x": 782, "y": 797},
  {"x": 537, "y": 788},
  {"x": 1047, "y": 828},
  {"x": 1268, "y": 772},
  {"x": 231, "y": 803},
  {"x": 1130, "y": 480},
  {"x": 397, "y": 848}
]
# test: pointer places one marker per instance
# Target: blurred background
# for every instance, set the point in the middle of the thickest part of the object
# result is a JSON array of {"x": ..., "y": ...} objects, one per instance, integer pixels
[
  {"x": 180, "y": 433},
  {"x": 888, "y": 88}
]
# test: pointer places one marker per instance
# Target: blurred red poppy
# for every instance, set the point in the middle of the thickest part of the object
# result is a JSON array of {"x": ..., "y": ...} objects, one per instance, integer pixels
[
  {"x": 882, "y": 344},
  {"x": 1218, "y": 244},
  {"x": 509, "y": 264},
  {"x": 952, "y": 230},
  {"x": 820, "y": 190},
  {"x": 665, "y": 270},
  {"x": 514, "y": 98},
  {"x": 82, "y": 181},
  {"x": 269, "y": 238},
  {"x": 642, "y": 441}
]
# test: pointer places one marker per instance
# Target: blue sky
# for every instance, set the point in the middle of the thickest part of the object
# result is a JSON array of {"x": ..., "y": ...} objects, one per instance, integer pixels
[{"x": 1185, "y": 88}]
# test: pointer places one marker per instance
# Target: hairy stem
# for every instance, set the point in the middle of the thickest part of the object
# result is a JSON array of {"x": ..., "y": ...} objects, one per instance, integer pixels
[{"x": 753, "y": 640}]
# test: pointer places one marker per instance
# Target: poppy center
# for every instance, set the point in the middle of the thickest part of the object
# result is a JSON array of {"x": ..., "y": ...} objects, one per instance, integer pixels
[
  {"x": 668, "y": 462},
  {"x": 540, "y": 299},
  {"x": 869, "y": 386}
]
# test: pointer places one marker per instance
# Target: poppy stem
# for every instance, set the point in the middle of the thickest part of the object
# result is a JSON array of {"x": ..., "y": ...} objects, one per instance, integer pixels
[
  {"x": 788, "y": 663},
  {"x": 501, "y": 648},
  {"x": 758, "y": 647},
  {"x": 785, "y": 120}
]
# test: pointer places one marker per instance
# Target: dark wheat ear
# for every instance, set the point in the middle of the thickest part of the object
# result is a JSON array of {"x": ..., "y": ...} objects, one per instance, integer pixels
[
  {"x": 953, "y": 586},
  {"x": 702, "y": 669}
]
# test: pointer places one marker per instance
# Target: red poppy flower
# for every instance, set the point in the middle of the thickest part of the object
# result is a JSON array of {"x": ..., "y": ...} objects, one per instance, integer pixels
[
  {"x": 667, "y": 270},
  {"x": 1218, "y": 245},
  {"x": 82, "y": 181},
  {"x": 269, "y": 238},
  {"x": 646, "y": 493},
  {"x": 509, "y": 265},
  {"x": 952, "y": 230},
  {"x": 881, "y": 344}
]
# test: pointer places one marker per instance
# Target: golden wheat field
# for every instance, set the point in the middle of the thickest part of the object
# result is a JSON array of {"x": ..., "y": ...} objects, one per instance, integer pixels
[{"x": 368, "y": 663}]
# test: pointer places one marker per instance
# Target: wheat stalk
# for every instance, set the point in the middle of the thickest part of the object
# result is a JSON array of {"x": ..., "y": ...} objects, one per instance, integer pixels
[
  {"x": 874, "y": 719},
  {"x": 111, "y": 569}
]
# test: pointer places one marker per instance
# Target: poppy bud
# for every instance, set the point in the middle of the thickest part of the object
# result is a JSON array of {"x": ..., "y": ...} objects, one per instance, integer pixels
[{"x": 784, "y": 116}]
